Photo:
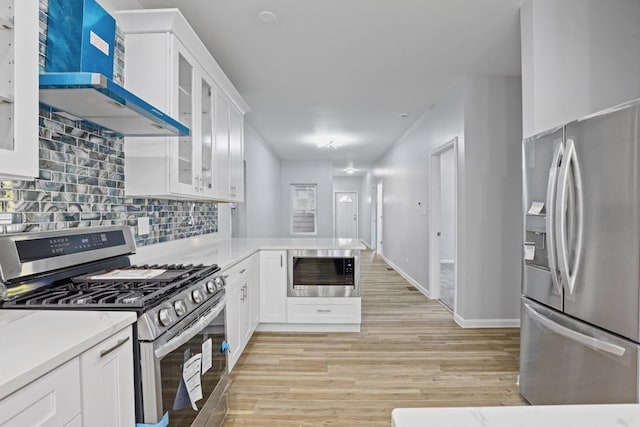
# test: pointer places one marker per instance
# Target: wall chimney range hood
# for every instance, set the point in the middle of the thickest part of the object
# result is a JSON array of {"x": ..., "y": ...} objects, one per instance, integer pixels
[{"x": 97, "y": 99}]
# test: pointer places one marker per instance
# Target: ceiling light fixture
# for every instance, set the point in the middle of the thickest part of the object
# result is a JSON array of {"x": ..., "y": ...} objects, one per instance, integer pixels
[
  {"x": 330, "y": 144},
  {"x": 267, "y": 16},
  {"x": 350, "y": 171}
]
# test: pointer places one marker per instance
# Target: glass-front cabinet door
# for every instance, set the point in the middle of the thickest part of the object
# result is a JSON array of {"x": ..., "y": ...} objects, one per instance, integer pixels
[
  {"x": 185, "y": 115},
  {"x": 19, "y": 88},
  {"x": 207, "y": 169},
  {"x": 186, "y": 163}
]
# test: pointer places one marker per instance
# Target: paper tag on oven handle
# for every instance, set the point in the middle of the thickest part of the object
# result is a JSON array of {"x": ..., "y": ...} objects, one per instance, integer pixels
[{"x": 224, "y": 347}]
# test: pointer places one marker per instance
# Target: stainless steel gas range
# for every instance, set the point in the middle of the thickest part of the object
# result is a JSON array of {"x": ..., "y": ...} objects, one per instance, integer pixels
[{"x": 180, "y": 311}]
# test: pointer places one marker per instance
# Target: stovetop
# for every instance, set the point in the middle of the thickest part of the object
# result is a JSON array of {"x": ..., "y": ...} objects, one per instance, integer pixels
[{"x": 98, "y": 290}]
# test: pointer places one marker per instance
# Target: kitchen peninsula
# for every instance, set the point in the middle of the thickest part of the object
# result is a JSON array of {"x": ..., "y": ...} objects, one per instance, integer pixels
[{"x": 258, "y": 273}]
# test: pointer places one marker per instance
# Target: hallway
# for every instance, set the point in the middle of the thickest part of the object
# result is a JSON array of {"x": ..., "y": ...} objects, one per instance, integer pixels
[{"x": 410, "y": 353}]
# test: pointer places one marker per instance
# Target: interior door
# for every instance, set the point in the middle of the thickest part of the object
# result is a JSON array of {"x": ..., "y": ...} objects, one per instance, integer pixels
[
  {"x": 346, "y": 211},
  {"x": 541, "y": 280},
  {"x": 602, "y": 216}
]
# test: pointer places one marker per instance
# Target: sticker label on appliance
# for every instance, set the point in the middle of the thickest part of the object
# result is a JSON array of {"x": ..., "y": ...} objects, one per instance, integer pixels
[
  {"x": 128, "y": 274},
  {"x": 536, "y": 208},
  {"x": 207, "y": 355},
  {"x": 529, "y": 252},
  {"x": 191, "y": 372},
  {"x": 99, "y": 43}
]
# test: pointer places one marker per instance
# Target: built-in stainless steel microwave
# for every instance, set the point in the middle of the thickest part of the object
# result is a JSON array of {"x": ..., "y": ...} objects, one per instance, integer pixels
[{"x": 324, "y": 273}]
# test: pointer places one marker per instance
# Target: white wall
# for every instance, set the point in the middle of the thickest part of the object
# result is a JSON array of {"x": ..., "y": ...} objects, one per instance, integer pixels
[
  {"x": 259, "y": 215},
  {"x": 351, "y": 184},
  {"x": 365, "y": 212},
  {"x": 404, "y": 172},
  {"x": 484, "y": 113},
  {"x": 309, "y": 172},
  {"x": 578, "y": 57},
  {"x": 447, "y": 205},
  {"x": 492, "y": 211}
]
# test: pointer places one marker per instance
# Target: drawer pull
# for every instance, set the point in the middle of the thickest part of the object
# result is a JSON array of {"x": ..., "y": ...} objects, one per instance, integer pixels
[
  {"x": 326, "y": 310},
  {"x": 103, "y": 353}
]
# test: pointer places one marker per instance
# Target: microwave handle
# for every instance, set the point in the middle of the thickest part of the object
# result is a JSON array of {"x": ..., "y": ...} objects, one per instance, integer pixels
[{"x": 185, "y": 336}]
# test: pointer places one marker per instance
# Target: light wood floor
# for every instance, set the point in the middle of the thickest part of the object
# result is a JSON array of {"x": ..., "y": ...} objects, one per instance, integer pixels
[{"x": 409, "y": 353}]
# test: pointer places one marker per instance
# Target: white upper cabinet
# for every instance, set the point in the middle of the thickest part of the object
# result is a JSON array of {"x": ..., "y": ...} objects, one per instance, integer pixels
[
  {"x": 19, "y": 89},
  {"x": 169, "y": 66}
]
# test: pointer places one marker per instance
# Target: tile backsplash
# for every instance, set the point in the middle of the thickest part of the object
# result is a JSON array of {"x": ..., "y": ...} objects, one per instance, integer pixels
[{"x": 81, "y": 184}]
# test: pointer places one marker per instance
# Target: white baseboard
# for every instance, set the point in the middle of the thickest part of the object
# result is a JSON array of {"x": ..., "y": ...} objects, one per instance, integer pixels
[
  {"x": 486, "y": 323},
  {"x": 447, "y": 261},
  {"x": 308, "y": 327},
  {"x": 406, "y": 277}
]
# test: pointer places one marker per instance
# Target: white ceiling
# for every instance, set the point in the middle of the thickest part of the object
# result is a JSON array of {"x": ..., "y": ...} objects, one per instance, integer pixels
[{"x": 345, "y": 70}]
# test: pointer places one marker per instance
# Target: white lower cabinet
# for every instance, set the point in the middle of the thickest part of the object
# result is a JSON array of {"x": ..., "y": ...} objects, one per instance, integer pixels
[
  {"x": 242, "y": 298},
  {"x": 273, "y": 286},
  {"x": 323, "y": 310},
  {"x": 107, "y": 382},
  {"x": 93, "y": 389},
  {"x": 51, "y": 401}
]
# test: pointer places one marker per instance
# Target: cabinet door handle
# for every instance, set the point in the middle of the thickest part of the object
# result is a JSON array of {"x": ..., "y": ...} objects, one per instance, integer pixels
[
  {"x": 320, "y": 310},
  {"x": 280, "y": 261},
  {"x": 243, "y": 270},
  {"x": 120, "y": 343}
]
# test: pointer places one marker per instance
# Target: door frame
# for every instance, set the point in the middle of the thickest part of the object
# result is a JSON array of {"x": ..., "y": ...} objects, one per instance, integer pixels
[
  {"x": 379, "y": 208},
  {"x": 373, "y": 219},
  {"x": 434, "y": 220},
  {"x": 335, "y": 211}
]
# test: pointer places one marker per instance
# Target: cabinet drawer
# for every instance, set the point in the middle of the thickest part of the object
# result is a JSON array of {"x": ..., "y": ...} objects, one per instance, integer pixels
[
  {"x": 323, "y": 310},
  {"x": 53, "y": 400},
  {"x": 238, "y": 274}
]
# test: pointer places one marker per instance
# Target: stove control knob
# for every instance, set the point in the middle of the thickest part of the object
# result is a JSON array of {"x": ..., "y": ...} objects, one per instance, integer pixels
[
  {"x": 219, "y": 280},
  {"x": 196, "y": 296},
  {"x": 181, "y": 307},
  {"x": 211, "y": 286},
  {"x": 165, "y": 316}
]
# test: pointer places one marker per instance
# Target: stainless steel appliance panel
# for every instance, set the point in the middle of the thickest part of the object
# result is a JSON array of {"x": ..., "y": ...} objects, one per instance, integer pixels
[
  {"x": 603, "y": 241},
  {"x": 564, "y": 361},
  {"x": 540, "y": 167},
  {"x": 323, "y": 273}
]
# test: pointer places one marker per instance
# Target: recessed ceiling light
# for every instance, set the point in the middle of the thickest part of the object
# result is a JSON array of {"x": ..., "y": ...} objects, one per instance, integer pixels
[
  {"x": 330, "y": 144},
  {"x": 350, "y": 171},
  {"x": 267, "y": 16}
]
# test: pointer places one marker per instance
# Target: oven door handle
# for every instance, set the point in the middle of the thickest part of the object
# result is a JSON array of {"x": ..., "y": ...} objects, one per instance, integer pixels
[{"x": 185, "y": 336}]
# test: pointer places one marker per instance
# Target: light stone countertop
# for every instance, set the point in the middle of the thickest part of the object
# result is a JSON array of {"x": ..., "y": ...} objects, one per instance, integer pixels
[
  {"x": 34, "y": 342},
  {"x": 208, "y": 249},
  {"x": 624, "y": 415}
]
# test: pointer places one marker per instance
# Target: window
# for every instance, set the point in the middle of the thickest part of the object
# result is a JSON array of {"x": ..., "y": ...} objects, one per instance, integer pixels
[{"x": 303, "y": 208}]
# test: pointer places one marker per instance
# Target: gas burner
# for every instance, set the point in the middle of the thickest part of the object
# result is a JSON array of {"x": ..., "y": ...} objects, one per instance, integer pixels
[{"x": 99, "y": 290}]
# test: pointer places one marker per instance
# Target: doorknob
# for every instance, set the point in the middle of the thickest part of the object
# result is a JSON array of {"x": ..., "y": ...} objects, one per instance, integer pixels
[{"x": 438, "y": 234}]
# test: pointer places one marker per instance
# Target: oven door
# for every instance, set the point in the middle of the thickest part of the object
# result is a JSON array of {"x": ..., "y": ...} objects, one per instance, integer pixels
[
  {"x": 323, "y": 273},
  {"x": 162, "y": 364}
]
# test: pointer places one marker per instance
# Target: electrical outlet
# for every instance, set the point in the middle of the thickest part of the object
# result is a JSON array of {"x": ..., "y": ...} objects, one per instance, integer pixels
[{"x": 143, "y": 226}]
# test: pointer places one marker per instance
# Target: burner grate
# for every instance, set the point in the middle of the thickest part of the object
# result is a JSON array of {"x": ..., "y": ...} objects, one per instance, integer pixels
[{"x": 79, "y": 291}]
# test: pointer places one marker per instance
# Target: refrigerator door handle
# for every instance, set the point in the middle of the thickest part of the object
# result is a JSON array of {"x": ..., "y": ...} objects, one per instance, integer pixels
[
  {"x": 586, "y": 340},
  {"x": 562, "y": 198},
  {"x": 549, "y": 223}
]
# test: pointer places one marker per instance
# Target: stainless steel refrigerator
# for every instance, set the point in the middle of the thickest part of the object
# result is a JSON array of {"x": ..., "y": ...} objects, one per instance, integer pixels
[{"x": 580, "y": 318}]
